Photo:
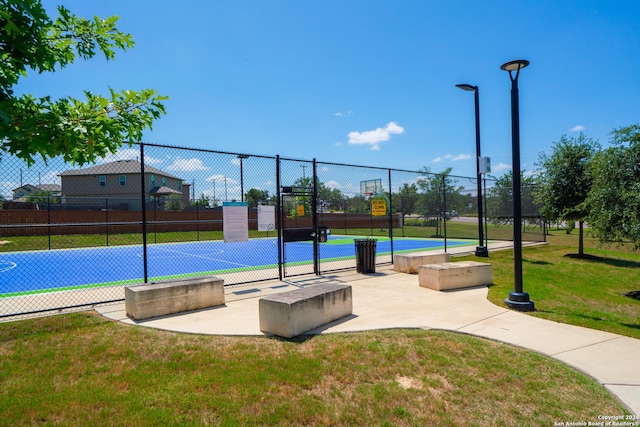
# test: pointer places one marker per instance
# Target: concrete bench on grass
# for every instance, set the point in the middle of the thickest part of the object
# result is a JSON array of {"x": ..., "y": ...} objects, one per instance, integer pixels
[
  {"x": 454, "y": 275},
  {"x": 289, "y": 314},
  {"x": 148, "y": 300},
  {"x": 409, "y": 263}
]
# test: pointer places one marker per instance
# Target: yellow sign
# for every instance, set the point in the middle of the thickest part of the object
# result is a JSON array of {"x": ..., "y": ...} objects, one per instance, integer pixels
[
  {"x": 378, "y": 207},
  {"x": 300, "y": 210}
]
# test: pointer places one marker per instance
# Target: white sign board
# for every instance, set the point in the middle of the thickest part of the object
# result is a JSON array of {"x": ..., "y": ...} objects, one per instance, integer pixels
[
  {"x": 266, "y": 218},
  {"x": 235, "y": 222}
]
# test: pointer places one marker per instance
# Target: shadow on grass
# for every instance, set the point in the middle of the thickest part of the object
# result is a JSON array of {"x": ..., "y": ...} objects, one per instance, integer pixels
[
  {"x": 537, "y": 262},
  {"x": 627, "y": 325},
  {"x": 609, "y": 261},
  {"x": 599, "y": 319}
]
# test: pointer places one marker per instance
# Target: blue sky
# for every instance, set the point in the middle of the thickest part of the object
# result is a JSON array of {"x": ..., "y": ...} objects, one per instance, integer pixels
[{"x": 370, "y": 82}]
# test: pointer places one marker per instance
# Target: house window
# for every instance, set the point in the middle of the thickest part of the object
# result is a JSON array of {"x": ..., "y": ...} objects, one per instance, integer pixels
[
  {"x": 102, "y": 179},
  {"x": 153, "y": 180},
  {"x": 123, "y": 180},
  {"x": 164, "y": 181},
  {"x": 180, "y": 186}
]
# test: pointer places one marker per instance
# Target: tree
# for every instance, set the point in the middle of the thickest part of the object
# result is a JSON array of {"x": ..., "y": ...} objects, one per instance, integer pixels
[
  {"x": 437, "y": 192},
  {"x": 614, "y": 199},
  {"x": 331, "y": 198},
  {"x": 174, "y": 203},
  {"x": 500, "y": 198},
  {"x": 42, "y": 196},
  {"x": 565, "y": 180},
  {"x": 202, "y": 201},
  {"x": 358, "y": 204},
  {"x": 406, "y": 200},
  {"x": 255, "y": 197},
  {"x": 78, "y": 130}
]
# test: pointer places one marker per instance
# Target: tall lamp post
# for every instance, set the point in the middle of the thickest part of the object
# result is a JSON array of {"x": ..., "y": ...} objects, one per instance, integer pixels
[
  {"x": 242, "y": 157},
  {"x": 481, "y": 249},
  {"x": 518, "y": 299}
]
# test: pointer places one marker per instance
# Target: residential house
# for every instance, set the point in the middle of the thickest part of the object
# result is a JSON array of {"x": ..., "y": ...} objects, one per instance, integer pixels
[
  {"x": 21, "y": 193},
  {"x": 118, "y": 184}
]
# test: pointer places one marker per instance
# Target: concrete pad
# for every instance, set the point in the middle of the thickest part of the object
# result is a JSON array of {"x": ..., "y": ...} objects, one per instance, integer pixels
[
  {"x": 610, "y": 362},
  {"x": 543, "y": 336},
  {"x": 392, "y": 300},
  {"x": 293, "y": 313},
  {"x": 454, "y": 275},
  {"x": 148, "y": 300},
  {"x": 628, "y": 395},
  {"x": 409, "y": 262}
]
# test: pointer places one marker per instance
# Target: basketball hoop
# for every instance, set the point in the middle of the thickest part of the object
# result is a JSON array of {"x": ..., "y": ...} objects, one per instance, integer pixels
[{"x": 369, "y": 195}]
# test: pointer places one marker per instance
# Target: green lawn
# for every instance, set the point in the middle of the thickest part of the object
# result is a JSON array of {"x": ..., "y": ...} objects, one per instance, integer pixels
[
  {"x": 80, "y": 369},
  {"x": 585, "y": 292}
]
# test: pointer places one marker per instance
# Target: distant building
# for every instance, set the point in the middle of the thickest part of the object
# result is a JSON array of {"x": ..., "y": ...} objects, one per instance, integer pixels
[
  {"x": 21, "y": 193},
  {"x": 118, "y": 184}
]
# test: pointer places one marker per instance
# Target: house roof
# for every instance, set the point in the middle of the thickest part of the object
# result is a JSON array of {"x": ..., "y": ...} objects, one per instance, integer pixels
[
  {"x": 51, "y": 187},
  {"x": 118, "y": 167},
  {"x": 27, "y": 187},
  {"x": 163, "y": 191},
  {"x": 43, "y": 187}
]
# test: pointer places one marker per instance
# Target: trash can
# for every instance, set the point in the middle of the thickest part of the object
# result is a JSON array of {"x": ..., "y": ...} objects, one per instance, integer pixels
[
  {"x": 365, "y": 255},
  {"x": 323, "y": 234}
]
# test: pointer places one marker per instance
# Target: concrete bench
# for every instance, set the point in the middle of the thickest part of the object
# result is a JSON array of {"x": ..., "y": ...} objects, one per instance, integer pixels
[
  {"x": 289, "y": 314},
  {"x": 148, "y": 300},
  {"x": 454, "y": 275},
  {"x": 409, "y": 263}
]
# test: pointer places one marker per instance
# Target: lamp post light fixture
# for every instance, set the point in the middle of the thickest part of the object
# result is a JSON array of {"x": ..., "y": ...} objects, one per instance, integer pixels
[
  {"x": 481, "y": 249},
  {"x": 242, "y": 157},
  {"x": 518, "y": 299}
]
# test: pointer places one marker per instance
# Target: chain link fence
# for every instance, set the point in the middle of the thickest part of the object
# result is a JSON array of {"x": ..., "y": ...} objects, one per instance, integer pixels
[{"x": 74, "y": 236}]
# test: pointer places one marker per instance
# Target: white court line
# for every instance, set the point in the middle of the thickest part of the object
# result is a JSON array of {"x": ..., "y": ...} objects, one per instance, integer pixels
[
  {"x": 7, "y": 265},
  {"x": 207, "y": 258}
]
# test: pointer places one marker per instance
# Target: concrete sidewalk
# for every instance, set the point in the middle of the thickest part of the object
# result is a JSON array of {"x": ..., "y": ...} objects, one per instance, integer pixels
[{"x": 387, "y": 299}]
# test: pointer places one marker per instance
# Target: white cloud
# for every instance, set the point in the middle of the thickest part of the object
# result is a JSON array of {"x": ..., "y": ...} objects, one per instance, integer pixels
[
  {"x": 500, "y": 167},
  {"x": 340, "y": 114},
  {"x": 375, "y": 137},
  {"x": 51, "y": 177},
  {"x": 577, "y": 128},
  {"x": 332, "y": 184},
  {"x": 452, "y": 158},
  {"x": 186, "y": 165},
  {"x": 221, "y": 179}
]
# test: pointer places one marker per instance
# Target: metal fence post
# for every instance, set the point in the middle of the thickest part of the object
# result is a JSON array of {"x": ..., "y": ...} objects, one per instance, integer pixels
[
  {"x": 144, "y": 214},
  {"x": 279, "y": 217},
  {"x": 106, "y": 219},
  {"x": 390, "y": 216},
  {"x": 48, "y": 218},
  {"x": 444, "y": 201}
]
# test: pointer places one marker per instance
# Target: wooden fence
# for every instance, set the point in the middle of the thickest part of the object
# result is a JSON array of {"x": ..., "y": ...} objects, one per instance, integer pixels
[{"x": 60, "y": 222}]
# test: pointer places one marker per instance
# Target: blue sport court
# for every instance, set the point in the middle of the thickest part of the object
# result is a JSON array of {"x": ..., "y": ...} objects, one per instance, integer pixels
[{"x": 23, "y": 273}]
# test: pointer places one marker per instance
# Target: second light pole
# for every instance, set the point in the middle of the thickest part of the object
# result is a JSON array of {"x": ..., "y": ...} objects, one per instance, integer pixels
[
  {"x": 481, "y": 249},
  {"x": 518, "y": 299}
]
